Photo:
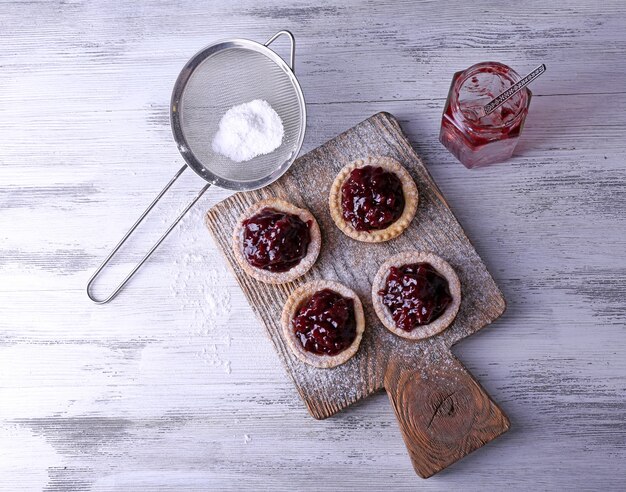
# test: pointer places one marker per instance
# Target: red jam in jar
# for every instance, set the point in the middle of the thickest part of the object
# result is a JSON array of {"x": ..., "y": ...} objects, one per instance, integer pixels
[{"x": 476, "y": 139}]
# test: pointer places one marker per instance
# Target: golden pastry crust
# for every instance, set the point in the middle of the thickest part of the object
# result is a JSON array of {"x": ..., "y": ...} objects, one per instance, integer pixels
[
  {"x": 411, "y": 199},
  {"x": 305, "y": 263},
  {"x": 296, "y": 299},
  {"x": 443, "y": 321}
]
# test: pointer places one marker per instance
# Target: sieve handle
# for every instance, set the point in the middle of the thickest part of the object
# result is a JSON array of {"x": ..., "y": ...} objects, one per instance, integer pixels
[
  {"x": 292, "y": 53},
  {"x": 132, "y": 229}
]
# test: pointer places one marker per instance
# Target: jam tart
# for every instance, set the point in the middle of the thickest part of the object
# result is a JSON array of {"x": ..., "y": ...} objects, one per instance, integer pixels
[
  {"x": 416, "y": 294},
  {"x": 323, "y": 323},
  {"x": 276, "y": 242},
  {"x": 373, "y": 199}
]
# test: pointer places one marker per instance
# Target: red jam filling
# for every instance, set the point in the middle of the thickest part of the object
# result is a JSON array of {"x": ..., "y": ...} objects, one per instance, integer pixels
[
  {"x": 275, "y": 241},
  {"x": 372, "y": 198},
  {"x": 325, "y": 323},
  {"x": 415, "y": 294}
]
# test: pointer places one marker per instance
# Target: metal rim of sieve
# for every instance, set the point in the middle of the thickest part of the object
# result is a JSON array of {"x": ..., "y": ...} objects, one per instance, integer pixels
[
  {"x": 192, "y": 161},
  {"x": 176, "y": 113}
]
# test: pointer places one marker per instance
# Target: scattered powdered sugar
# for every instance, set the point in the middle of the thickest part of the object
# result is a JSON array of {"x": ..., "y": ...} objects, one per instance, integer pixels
[
  {"x": 199, "y": 286},
  {"x": 248, "y": 130}
]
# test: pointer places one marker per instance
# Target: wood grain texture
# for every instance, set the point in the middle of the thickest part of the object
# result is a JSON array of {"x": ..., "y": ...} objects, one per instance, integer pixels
[
  {"x": 443, "y": 413},
  {"x": 175, "y": 386}
]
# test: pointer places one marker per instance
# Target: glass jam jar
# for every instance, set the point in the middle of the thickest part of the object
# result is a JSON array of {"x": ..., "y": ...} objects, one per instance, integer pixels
[{"x": 475, "y": 139}]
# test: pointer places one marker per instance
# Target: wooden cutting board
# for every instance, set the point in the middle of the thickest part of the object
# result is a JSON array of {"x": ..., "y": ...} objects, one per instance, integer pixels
[{"x": 443, "y": 412}]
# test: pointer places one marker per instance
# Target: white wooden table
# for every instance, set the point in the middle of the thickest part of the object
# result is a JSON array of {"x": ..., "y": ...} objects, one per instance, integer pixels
[{"x": 174, "y": 385}]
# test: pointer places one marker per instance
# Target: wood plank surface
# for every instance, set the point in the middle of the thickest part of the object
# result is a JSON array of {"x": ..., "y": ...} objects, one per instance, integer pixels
[{"x": 175, "y": 386}]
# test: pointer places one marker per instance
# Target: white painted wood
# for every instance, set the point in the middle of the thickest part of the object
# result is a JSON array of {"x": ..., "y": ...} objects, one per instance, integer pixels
[{"x": 174, "y": 386}]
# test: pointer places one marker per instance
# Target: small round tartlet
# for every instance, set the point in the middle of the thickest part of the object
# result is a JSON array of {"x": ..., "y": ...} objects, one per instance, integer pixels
[
  {"x": 441, "y": 267},
  {"x": 409, "y": 189},
  {"x": 299, "y": 298},
  {"x": 303, "y": 266}
]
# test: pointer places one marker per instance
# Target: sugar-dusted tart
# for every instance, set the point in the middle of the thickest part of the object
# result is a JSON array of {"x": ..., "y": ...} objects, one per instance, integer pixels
[
  {"x": 323, "y": 323},
  {"x": 416, "y": 294},
  {"x": 276, "y": 242},
  {"x": 373, "y": 199}
]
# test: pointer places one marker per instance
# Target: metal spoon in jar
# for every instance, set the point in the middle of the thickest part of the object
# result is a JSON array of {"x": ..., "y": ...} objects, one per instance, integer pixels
[{"x": 500, "y": 99}]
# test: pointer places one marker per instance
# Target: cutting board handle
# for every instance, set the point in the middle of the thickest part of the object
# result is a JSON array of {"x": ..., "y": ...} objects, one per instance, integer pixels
[{"x": 443, "y": 412}]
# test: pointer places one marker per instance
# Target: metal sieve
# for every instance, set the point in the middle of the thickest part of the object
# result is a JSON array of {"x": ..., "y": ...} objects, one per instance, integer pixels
[{"x": 220, "y": 76}]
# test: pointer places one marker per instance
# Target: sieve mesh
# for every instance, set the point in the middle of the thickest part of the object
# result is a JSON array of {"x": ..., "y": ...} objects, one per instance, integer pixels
[{"x": 228, "y": 78}]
